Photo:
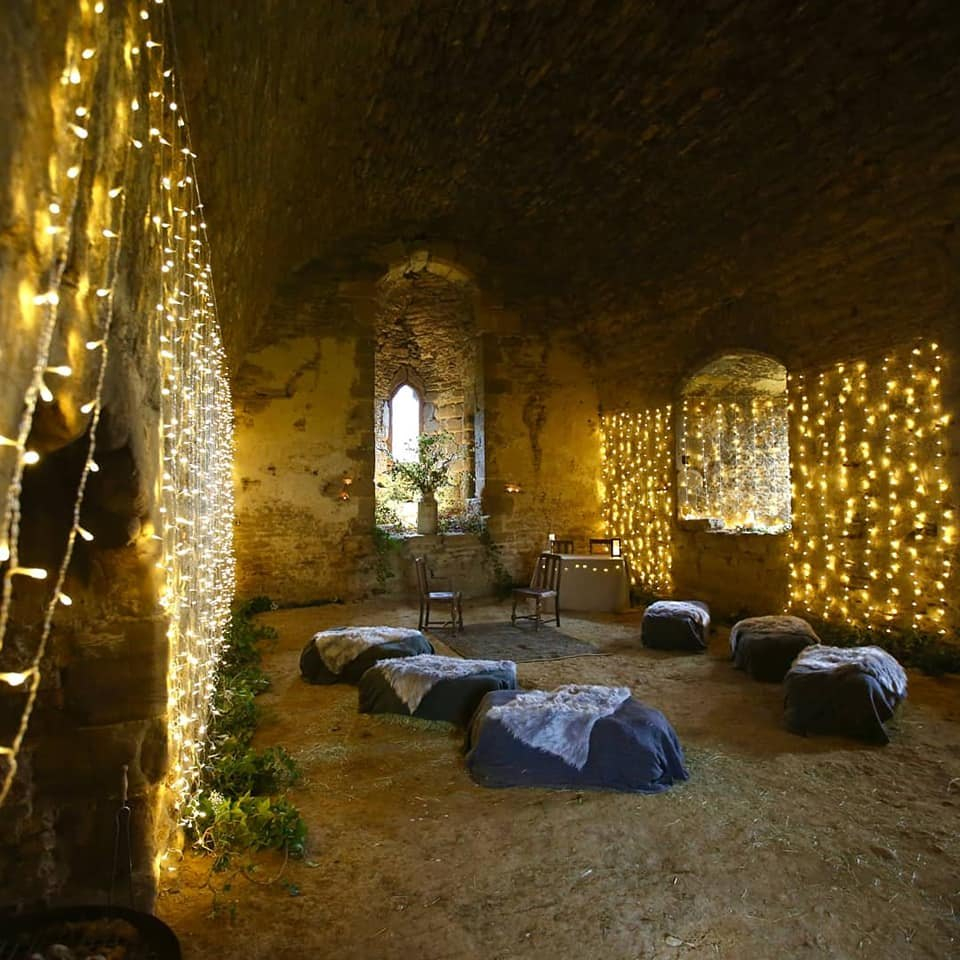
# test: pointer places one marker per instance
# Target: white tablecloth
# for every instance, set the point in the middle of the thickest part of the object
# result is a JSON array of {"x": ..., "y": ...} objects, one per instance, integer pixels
[{"x": 594, "y": 582}]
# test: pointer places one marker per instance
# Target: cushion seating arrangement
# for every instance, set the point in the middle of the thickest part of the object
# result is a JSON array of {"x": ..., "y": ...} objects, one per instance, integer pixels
[
  {"x": 433, "y": 687},
  {"x": 344, "y": 654},
  {"x": 766, "y": 646},
  {"x": 573, "y": 737},
  {"x": 676, "y": 625},
  {"x": 839, "y": 690}
]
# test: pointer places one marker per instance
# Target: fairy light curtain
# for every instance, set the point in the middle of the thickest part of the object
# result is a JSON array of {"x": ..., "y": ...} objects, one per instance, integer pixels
[
  {"x": 874, "y": 542},
  {"x": 637, "y": 499},
  {"x": 194, "y": 507},
  {"x": 734, "y": 453}
]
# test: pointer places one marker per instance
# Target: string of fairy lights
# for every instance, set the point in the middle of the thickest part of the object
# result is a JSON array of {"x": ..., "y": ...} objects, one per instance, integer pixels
[
  {"x": 636, "y": 453},
  {"x": 874, "y": 541},
  {"x": 735, "y": 462},
  {"x": 194, "y": 499},
  {"x": 874, "y": 529},
  {"x": 39, "y": 319}
]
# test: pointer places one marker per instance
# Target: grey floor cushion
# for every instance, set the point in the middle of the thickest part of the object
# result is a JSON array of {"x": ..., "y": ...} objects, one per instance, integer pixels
[
  {"x": 433, "y": 687},
  {"x": 344, "y": 654},
  {"x": 540, "y": 739},
  {"x": 676, "y": 625},
  {"x": 851, "y": 691},
  {"x": 766, "y": 646}
]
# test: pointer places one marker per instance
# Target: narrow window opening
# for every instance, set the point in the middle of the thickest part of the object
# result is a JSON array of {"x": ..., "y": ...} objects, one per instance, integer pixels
[{"x": 404, "y": 424}]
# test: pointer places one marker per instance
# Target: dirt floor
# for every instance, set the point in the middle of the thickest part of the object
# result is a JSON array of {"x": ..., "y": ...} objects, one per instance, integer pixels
[{"x": 779, "y": 846}]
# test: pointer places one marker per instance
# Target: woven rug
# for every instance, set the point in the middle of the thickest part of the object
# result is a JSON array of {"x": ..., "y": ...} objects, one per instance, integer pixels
[{"x": 504, "y": 641}]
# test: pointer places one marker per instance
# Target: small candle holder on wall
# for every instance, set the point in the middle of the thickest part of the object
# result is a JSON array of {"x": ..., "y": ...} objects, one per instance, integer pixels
[{"x": 344, "y": 494}]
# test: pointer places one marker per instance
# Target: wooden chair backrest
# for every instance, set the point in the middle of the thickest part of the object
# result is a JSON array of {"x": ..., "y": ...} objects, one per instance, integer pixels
[
  {"x": 546, "y": 573},
  {"x": 421, "y": 565}
]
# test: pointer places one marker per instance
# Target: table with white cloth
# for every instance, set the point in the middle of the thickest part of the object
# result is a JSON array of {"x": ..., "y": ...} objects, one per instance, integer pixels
[{"x": 594, "y": 582}]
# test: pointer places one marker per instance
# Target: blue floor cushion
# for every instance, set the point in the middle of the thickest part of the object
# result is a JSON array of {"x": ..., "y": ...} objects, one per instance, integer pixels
[{"x": 344, "y": 654}]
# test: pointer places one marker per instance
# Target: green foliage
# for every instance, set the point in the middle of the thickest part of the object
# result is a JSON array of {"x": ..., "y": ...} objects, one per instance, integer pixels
[
  {"x": 235, "y": 807},
  {"x": 436, "y": 453},
  {"x": 230, "y": 824},
  {"x": 385, "y": 546},
  {"x": 503, "y": 582},
  {"x": 242, "y": 770}
]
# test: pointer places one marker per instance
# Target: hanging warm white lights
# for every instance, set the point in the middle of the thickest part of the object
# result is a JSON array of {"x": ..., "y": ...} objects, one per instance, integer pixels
[
  {"x": 735, "y": 463},
  {"x": 196, "y": 488},
  {"x": 874, "y": 540},
  {"x": 637, "y": 473},
  {"x": 57, "y": 218},
  {"x": 194, "y": 495}
]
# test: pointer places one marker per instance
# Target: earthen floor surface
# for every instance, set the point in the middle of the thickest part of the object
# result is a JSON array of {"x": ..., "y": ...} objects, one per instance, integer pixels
[{"x": 779, "y": 846}]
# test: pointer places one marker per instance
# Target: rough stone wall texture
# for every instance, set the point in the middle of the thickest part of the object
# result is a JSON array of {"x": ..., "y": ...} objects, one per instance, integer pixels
[
  {"x": 304, "y": 405},
  {"x": 542, "y": 435},
  {"x": 102, "y": 699},
  {"x": 425, "y": 327},
  {"x": 457, "y": 561}
]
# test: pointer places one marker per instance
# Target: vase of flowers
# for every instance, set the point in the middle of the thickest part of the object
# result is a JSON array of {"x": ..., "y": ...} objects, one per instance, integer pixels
[{"x": 427, "y": 474}]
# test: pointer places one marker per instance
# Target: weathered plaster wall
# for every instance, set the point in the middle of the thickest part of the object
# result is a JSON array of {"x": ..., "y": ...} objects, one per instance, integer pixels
[
  {"x": 541, "y": 432},
  {"x": 304, "y": 406}
]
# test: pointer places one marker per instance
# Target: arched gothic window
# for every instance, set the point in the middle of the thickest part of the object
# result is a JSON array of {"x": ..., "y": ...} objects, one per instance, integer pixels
[
  {"x": 733, "y": 446},
  {"x": 406, "y": 423}
]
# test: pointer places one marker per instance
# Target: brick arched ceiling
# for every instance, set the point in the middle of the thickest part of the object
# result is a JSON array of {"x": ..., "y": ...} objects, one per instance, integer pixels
[{"x": 587, "y": 151}]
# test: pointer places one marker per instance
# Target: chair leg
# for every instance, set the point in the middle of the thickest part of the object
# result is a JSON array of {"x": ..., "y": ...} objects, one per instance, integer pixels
[
  {"x": 453, "y": 614},
  {"x": 460, "y": 611},
  {"x": 513, "y": 613},
  {"x": 556, "y": 609},
  {"x": 537, "y": 614},
  {"x": 420, "y": 620},
  {"x": 426, "y": 621}
]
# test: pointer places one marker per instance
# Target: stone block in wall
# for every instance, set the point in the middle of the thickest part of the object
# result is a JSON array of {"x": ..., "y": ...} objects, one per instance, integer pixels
[
  {"x": 81, "y": 761},
  {"x": 129, "y": 660}
]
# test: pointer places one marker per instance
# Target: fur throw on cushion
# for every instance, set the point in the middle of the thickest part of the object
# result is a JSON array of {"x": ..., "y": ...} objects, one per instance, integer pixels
[
  {"x": 412, "y": 678},
  {"x": 872, "y": 661},
  {"x": 680, "y": 610},
  {"x": 337, "y": 647},
  {"x": 772, "y": 626},
  {"x": 560, "y": 721}
]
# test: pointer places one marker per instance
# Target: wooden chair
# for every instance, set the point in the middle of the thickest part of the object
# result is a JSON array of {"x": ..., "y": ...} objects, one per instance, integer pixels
[
  {"x": 601, "y": 544},
  {"x": 428, "y": 596},
  {"x": 544, "y": 585}
]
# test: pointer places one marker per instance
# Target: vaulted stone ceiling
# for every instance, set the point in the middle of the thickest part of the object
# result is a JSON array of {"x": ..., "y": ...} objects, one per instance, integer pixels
[{"x": 587, "y": 152}]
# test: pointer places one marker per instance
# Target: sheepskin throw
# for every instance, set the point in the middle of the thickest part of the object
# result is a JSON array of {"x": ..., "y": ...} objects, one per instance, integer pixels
[
  {"x": 872, "y": 661},
  {"x": 412, "y": 678},
  {"x": 773, "y": 627},
  {"x": 560, "y": 721},
  {"x": 337, "y": 647}
]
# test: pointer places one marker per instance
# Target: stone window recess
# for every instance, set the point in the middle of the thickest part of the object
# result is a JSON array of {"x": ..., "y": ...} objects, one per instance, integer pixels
[
  {"x": 733, "y": 470},
  {"x": 404, "y": 422}
]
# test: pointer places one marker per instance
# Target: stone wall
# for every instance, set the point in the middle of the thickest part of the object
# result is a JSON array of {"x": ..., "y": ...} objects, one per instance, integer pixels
[
  {"x": 304, "y": 404},
  {"x": 426, "y": 331},
  {"x": 542, "y": 438},
  {"x": 101, "y": 703}
]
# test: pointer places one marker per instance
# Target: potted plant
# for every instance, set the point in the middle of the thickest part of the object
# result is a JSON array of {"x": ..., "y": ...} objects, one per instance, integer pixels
[{"x": 428, "y": 473}]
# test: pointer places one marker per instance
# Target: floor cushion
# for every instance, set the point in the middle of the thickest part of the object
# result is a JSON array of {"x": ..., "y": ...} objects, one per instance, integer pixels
[
  {"x": 344, "y": 654},
  {"x": 553, "y": 739},
  {"x": 851, "y": 691},
  {"x": 676, "y": 625},
  {"x": 766, "y": 646},
  {"x": 433, "y": 687}
]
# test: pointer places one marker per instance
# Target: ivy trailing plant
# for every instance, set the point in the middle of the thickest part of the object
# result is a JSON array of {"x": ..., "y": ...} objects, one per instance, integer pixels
[
  {"x": 238, "y": 805},
  {"x": 386, "y": 545}
]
